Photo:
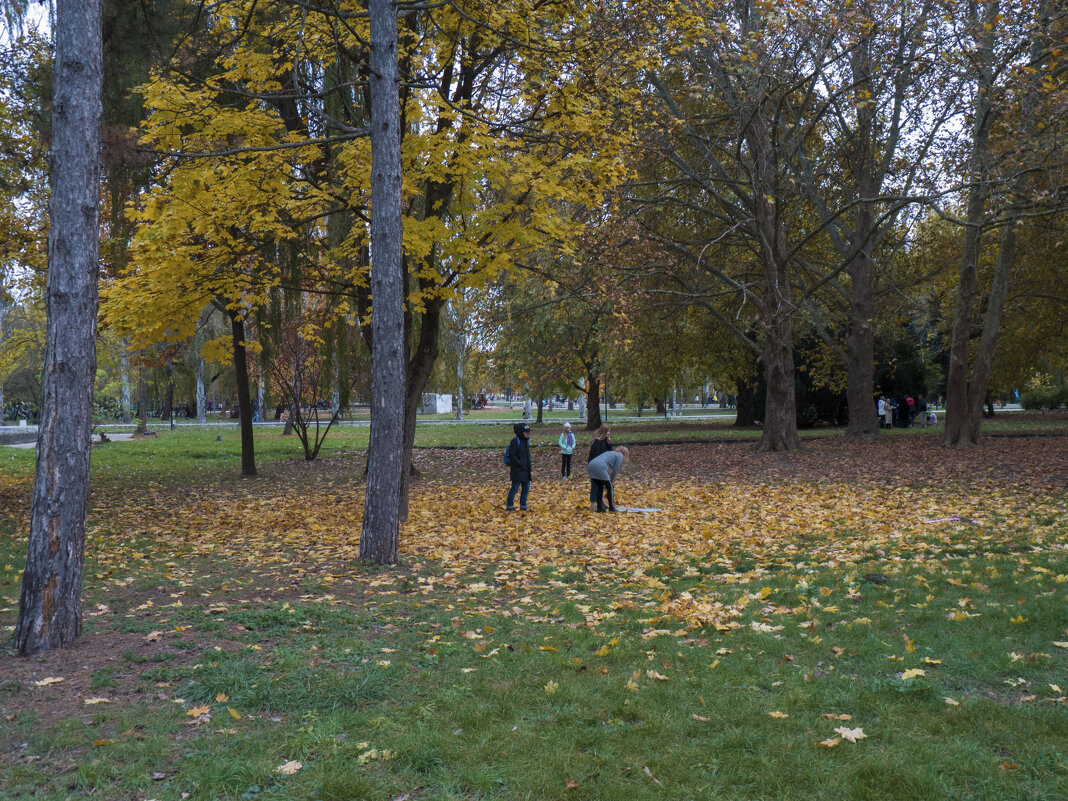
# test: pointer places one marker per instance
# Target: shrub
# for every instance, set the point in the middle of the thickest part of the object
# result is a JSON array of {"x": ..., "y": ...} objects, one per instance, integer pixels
[{"x": 1045, "y": 398}]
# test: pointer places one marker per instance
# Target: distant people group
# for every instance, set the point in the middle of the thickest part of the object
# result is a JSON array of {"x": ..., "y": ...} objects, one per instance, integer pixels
[
  {"x": 603, "y": 464},
  {"x": 893, "y": 413}
]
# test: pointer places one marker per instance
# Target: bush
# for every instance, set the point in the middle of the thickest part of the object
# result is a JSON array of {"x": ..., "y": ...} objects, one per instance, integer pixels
[{"x": 1045, "y": 398}]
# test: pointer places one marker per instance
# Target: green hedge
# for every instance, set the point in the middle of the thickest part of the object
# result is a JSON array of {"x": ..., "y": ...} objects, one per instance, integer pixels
[{"x": 1052, "y": 398}]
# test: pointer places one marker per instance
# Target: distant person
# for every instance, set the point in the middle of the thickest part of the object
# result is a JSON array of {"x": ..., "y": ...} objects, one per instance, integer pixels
[
  {"x": 910, "y": 411},
  {"x": 517, "y": 457},
  {"x": 602, "y": 443},
  {"x": 881, "y": 412},
  {"x": 567, "y": 447},
  {"x": 921, "y": 409},
  {"x": 603, "y": 471}
]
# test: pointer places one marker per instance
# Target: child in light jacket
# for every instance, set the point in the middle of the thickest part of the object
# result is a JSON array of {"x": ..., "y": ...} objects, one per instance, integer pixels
[{"x": 567, "y": 447}]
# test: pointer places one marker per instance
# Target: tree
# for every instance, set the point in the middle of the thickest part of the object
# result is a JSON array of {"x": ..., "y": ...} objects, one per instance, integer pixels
[
  {"x": 50, "y": 602},
  {"x": 860, "y": 169},
  {"x": 1014, "y": 66},
  {"x": 380, "y": 536},
  {"x": 730, "y": 111}
]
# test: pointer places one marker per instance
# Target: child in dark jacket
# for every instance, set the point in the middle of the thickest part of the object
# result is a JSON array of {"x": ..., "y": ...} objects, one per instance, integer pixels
[{"x": 519, "y": 466}]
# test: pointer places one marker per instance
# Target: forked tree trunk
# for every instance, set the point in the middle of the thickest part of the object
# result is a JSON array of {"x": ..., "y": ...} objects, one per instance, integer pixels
[
  {"x": 50, "y": 602},
  {"x": 244, "y": 396},
  {"x": 379, "y": 538}
]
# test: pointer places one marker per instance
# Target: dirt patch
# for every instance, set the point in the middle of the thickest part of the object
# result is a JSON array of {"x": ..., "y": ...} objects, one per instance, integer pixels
[{"x": 101, "y": 665}]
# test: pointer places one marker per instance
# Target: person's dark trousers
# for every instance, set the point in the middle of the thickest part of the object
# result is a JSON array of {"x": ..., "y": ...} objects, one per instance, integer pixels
[
  {"x": 522, "y": 496},
  {"x": 565, "y": 465},
  {"x": 601, "y": 487}
]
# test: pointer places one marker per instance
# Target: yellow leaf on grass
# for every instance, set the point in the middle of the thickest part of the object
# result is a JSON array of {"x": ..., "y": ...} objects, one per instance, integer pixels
[
  {"x": 913, "y": 673},
  {"x": 832, "y": 716},
  {"x": 830, "y": 742},
  {"x": 777, "y": 714},
  {"x": 551, "y": 688},
  {"x": 233, "y": 713},
  {"x": 153, "y": 636},
  {"x": 951, "y": 702},
  {"x": 221, "y": 698},
  {"x": 851, "y": 734},
  {"x": 46, "y": 682},
  {"x": 197, "y": 711},
  {"x": 93, "y": 701},
  {"x": 658, "y": 676},
  {"x": 289, "y": 768},
  {"x": 928, "y": 661},
  {"x": 701, "y": 718}
]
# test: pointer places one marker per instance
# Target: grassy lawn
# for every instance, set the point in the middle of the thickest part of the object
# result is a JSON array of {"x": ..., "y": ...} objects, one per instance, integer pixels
[{"x": 914, "y": 599}]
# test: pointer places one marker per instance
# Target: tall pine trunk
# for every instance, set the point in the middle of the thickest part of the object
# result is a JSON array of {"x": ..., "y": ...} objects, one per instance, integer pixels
[
  {"x": 379, "y": 538},
  {"x": 50, "y": 604}
]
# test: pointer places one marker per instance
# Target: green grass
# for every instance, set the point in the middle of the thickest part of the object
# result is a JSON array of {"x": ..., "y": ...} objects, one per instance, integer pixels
[
  {"x": 392, "y": 682},
  {"x": 509, "y": 697}
]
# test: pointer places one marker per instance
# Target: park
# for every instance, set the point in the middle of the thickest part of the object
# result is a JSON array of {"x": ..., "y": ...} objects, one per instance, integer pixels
[
  {"x": 872, "y": 621},
  {"x": 533, "y": 399}
]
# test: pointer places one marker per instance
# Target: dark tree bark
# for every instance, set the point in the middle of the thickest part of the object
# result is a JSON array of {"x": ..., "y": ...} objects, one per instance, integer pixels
[
  {"x": 593, "y": 402},
  {"x": 379, "y": 539},
  {"x": 743, "y": 403},
  {"x": 419, "y": 368},
  {"x": 965, "y": 394},
  {"x": 50, "y": 604},
  {"x": 244, "y": 396}
]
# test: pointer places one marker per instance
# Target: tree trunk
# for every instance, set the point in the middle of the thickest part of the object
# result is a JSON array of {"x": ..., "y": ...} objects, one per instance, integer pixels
[
  {"x": 142, "y": 403},
  {"x": 979, "y": 386},
  {"x": 244, "y": 396},
  {"x": 168, "y": 399},
  {"x": 379, "y": 538},
  {"x": 50, "y": 603},
  {"x": 127, "y": 417},
  {"x": 860, "y": 350},
  {"x": 202, "y": 415},
  {"x": 959, "y": 427},
  {"x": 780, "y": 405},
  {"x": 541, "y": 402},
  {"x": 593, "y": 402},
  {"x": 420, "y": 366},
  {"x": 745, "y": 416}
]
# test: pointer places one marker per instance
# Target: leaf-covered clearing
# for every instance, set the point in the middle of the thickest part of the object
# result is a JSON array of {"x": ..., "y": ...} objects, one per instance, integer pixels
[{"x": 886, "y": 620}]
